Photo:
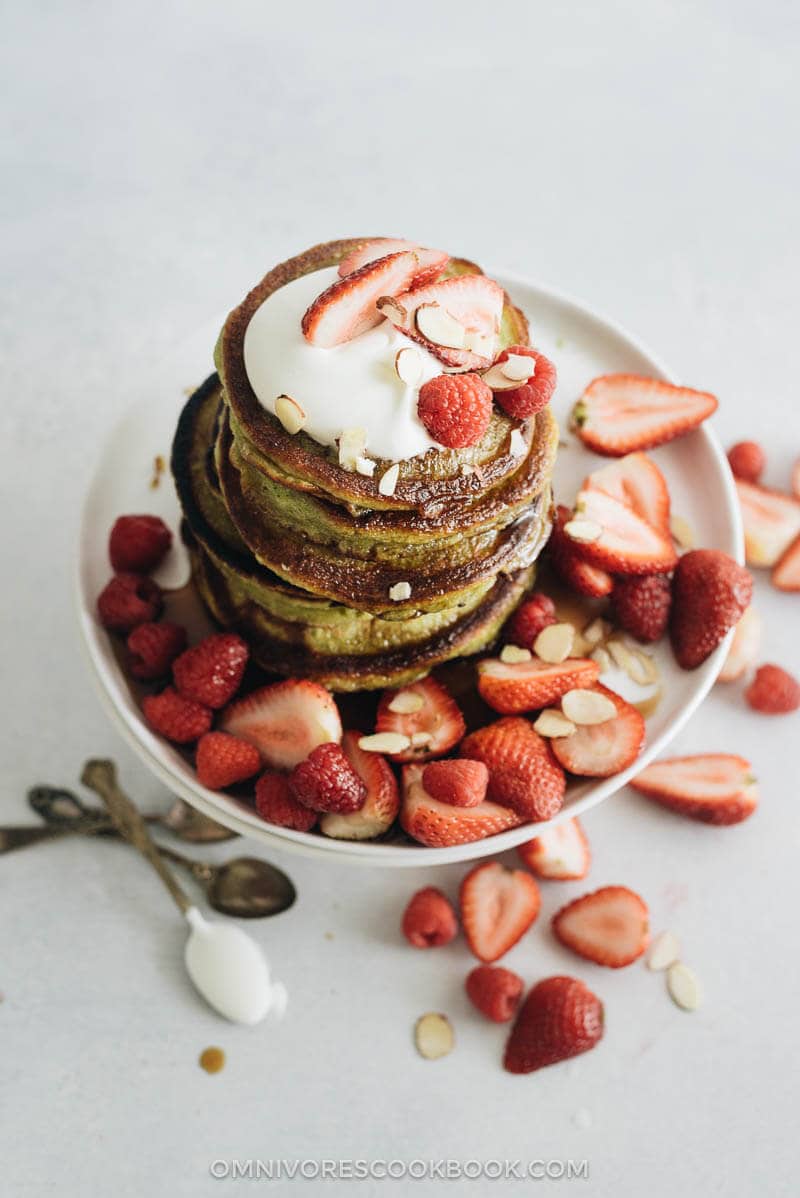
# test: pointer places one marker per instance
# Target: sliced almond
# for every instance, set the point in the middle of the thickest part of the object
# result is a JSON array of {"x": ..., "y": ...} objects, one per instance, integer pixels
[
  {"x": 420, "y": 739},
  {"x": 406, "y": 703},
  {"x": 518, "y": 367},
  {"x": 683, "y": 987},
  {"x": 553, "y": 722},
  {"x": 596, "y": 632},
  {"x": 664, "y": 951},
  {"x": 639, "y": 666},
  {"x": 587, "y": 707},
  {"x": 352, "y": 444},
  {"x": 388, "y": 306},
  {"x": 437, "y": 325},
  {"x": 554, "y": 643},
  {"x": 682, "y": 532},
  {"x": 290, "y": 414},
  {"x": 517, "y": 445},
  {"x": 494, "y": 378},
  {"x": 408, "y": 365},
  {"x": 433, "y": 1036},
  {"x": 580, "y": 645},
  {"x": 388, "y": 481},
  {"x": 583, "y": 531},
  {"x": 513, "y": 653},
  {"x": 479, "y": 343},
  {"x": 400, "y": 591},
  {"x": 384, "y": 742},
  {"x": 365, "y": 466},
  {"x": 603, "y": 660}
]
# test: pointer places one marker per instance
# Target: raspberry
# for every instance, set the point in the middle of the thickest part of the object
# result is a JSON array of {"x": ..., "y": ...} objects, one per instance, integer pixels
[
  {"x": 223, "y": 759},
  {"x": 460, "y": 783},
  {"x": 429, "y": 920},
  {"x": 534, "y": 395},
  {"x": 154, "y": 647},
  {"x": 211, "y": 672},
  {"x": 495, "y": 991},
  {"x": 747, "y": 460},
  {"x": 455, "y": 409},
  {"x": 537, "y": 612},
  {"x": 138, "y": 543},
  {"x": 773, "y": 691},
  {"x": 641, "y": 605},
  {"x": 178, "y": 719},
  {"x": 128, "y": 600},
  {"x": 277, "y": 805},
  {"x": 326, "y": 781}
]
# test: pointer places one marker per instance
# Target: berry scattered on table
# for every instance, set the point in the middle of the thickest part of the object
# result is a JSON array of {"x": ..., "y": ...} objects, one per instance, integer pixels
[
  {"x": 495, "y": 991},
  {"x": 429, "y": 920},
  {"x": 610, "y": 927},
  {"x": 747, "y": 460},
  {"x": 498, "y": 905},
  {"x": 560, "y": 1018},
  {"x": 715, "y": 788},
  {"x": 773, "y": 691}
]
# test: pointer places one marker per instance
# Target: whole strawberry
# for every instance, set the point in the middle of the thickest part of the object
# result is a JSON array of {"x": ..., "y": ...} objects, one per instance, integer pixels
[
  {"x": 137, "y": 544},
  {"x": 211, "y": 672},
  {"x": 641, "y": 605},
  {"x": 455, "y": 409},
  {"x": 560, "y": 1018},
  {"x": 177, "y": 718},
  {"x": 276, "y": 804},
  {"x": 154, "y": 647},
  {"x": 710, "y": 592},
  {"x": 326, "y": 781},
  {"x": 222, "y": 760},
  {"x": 128, "y": 600},
  {"x": 429, "y": 920},
  {"x": 495, "y": 991},
  {"x": 773, "y": 691},
  {"x": 537, "y": 612},
  {"x": 522, "y": 772}
]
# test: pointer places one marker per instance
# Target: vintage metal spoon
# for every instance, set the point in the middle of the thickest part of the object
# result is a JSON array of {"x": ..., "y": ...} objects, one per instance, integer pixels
[
  {"x": 58, "y": 806},
  {"x": 226, "y": 965}
]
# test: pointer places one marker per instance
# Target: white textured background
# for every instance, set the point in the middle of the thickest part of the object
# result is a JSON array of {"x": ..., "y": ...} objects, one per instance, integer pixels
[{"x": 156, "y": 159}]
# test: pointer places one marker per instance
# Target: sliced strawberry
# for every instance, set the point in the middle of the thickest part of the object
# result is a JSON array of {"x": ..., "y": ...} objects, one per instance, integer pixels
[
  {"x": 285, "y": 721},
  {"x": 622, "y": 413},
  {"x": 560, "y": 1018},
  {"x": 347, "y": 307},
  {"x": 627, "y": 544},
  {"x": 635, "y": 480},
  {"x": 569, "y": 564},
  {"x": 771, "y": 522},
  {"x": 431, "y": 262},
  {"x": 381, "y": 805},
  {"x": 514, "y": 687},
  {"x": 745, "y": 647},
  {"x": 610, "y": 927},
  {"x": 523, "y": 774},
  {"x": 434, "y": 727},
  {"x": 717, "y": 788},
  {"x": 561, "y": 853},
  {"x": 710, "y": 593},
  {"x": 600, "y": 750},
  {"x": 498, "y": 905},
  {"x": 474, "y": 301},
  {"x": 440, "y": 825},
  {"x": 786, "y": 574}
]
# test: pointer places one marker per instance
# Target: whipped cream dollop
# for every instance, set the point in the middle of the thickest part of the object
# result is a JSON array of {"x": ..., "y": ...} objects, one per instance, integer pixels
[{"x": 353, "y": 385}]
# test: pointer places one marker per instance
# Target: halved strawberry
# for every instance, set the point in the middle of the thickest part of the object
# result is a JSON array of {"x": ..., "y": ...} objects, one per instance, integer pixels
[
  {"x": 610, "y": 927},
  {"x": 439, "y": 825},
  {"x": 771, "y": 522},
  {"x": 744, "y": 649},
  {"x": 514, "y": 687},
  {"x": 600, "y": 750},
  {"x": 523, "y": 774},
  {"x": 635, "y": 480},
  {"x": 381, "y": 804},
  {"x": 622, "y": 413},
  {"x": 717, "y": 788},
  {"x": 498, "y": 905},
  {"x": 347, "y": 307},
  {"x": 561, "y": 853},
  {"x": 571, "y": 567},
  {"x": 627, "y": 544},
  {"x": 431, "y": 262},
  {"x": 285, "y": 721},
  {"x": 433, "y": 728},
  {"x": 474, "y": 301},
  {"x": 786, "y": 574}
]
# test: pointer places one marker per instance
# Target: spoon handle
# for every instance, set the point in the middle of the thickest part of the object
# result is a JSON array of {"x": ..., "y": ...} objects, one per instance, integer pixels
[
  {"x": 18, "y": 837},
  {"x": 101, "y": 777}
]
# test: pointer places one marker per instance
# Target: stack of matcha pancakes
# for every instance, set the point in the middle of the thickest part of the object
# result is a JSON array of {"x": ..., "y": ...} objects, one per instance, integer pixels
[{"x": 326, "y": 571}]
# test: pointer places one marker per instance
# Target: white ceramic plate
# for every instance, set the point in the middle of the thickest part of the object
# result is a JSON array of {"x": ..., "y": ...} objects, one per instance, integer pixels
[{"x": 583, "y": 345}]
